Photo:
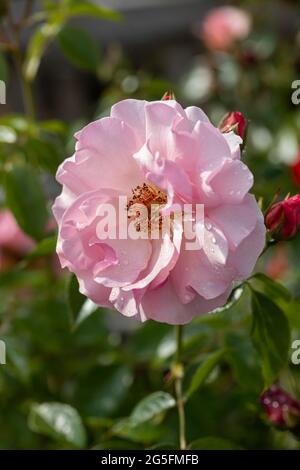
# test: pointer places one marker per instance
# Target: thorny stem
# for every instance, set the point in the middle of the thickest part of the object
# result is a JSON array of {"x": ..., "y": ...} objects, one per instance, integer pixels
[{"x": 178, "y": 374}]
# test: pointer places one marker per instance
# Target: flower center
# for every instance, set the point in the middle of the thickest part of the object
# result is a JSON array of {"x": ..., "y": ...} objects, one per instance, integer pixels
[{"x": 152, "y": 199}]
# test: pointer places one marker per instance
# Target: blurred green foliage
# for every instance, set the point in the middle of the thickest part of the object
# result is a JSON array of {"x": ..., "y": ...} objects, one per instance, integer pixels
[{"x": 78, "y": 376}]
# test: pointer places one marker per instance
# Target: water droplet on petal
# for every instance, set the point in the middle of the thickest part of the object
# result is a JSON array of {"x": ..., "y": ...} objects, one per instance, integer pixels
[
  {"x": 208, "y": 226},
  {"x": 187, "y": 297},
  {"x": 214, "y": 240},
  {"x": 275, "y": 404}
]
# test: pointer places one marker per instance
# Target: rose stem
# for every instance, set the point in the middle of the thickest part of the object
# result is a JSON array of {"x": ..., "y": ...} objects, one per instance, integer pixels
[{"x": 179, "y": 373}]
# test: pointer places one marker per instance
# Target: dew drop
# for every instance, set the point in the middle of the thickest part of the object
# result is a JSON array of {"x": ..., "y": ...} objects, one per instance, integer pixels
[
  {"x": 187, "y": 297},
  {"x": 275, "y": 404},
  {"x": 208, "y": 226},
  {"x": 214, "y": 240}
]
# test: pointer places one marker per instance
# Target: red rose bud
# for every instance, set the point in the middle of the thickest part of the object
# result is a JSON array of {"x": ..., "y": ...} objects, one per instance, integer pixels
[
  {"x": 296, "y": 170},
  {"x": 281, "y": 409},
  {"x": 169, "y": 95},
  {"x": 235, "y": 122},
  {"x": 283, "y": 218}
]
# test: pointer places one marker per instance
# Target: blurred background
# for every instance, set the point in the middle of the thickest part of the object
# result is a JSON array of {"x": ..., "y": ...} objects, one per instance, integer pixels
[{"x": 64, "y": 63}]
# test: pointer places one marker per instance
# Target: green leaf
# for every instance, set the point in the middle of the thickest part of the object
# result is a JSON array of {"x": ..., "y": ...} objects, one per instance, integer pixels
[
  {"x": 75, "y": 299},
  {"x": 37, "y": 45},
  {"x": 103, "y": 390},
  {"x": 245, "y": 363},
  {"x": 83, "y": 8},
  {"x": 270, "y": 335},
  {"x": 3, "y": 68},
  {"x": 45, "y": 248},
  {"x": 146, "y": 433},
  {"x": 212, "y": 443},
  {"x": 79, "y": 47},
  {"x": 26, "y": 199},
  {"x": 270, "y": 288},
  {"x": 87, "y": 309},
  {"x": 18, "y": 277},
  {"x": 152, "y": 406},
  {"x": 203, "y": 371},
  {"x": 42, "y": 152},
  {"x": 59, "y": 421}
]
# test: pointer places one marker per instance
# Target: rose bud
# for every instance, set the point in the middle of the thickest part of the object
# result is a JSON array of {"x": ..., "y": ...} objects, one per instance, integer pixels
[
  {"x": 235, "y": 122},
  {"x": 296, "y": 170},
  {"x": 281, "y": 409},
  {"x": 169, "y": 95},
  {"x": 283, "y": 218}
]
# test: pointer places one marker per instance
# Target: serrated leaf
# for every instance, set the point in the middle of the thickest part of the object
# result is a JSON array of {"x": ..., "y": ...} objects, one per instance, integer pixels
[
  {"x": 58, "y": 421},
  {"x": 151, "y": 406},
  {"x": 270, "y": 335},
  {"x": 203, "y": 371},
  {"x": 25, "y": 197}
]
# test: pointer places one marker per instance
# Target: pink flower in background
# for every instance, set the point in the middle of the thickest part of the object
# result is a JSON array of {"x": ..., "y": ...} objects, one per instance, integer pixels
[
  {"x": 158, "y": 151},
  {"x": 282, "y": 410},
  {"x": 278, "y": 265},
  {"x": 225, "y": 25},
  {"x": 12, "y": 238}
]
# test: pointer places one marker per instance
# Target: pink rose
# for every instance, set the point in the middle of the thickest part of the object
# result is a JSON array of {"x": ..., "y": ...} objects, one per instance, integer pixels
[
  {"x": 12, "y": 238},
  {"x": 158, "y": 152},
  {"x": 223, "y": 26}
]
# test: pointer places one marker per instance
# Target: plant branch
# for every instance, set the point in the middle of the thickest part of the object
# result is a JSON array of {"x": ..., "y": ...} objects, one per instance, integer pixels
[
  {"x": 178, "y": 372},
  {"x": 15, "y": 30}
]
